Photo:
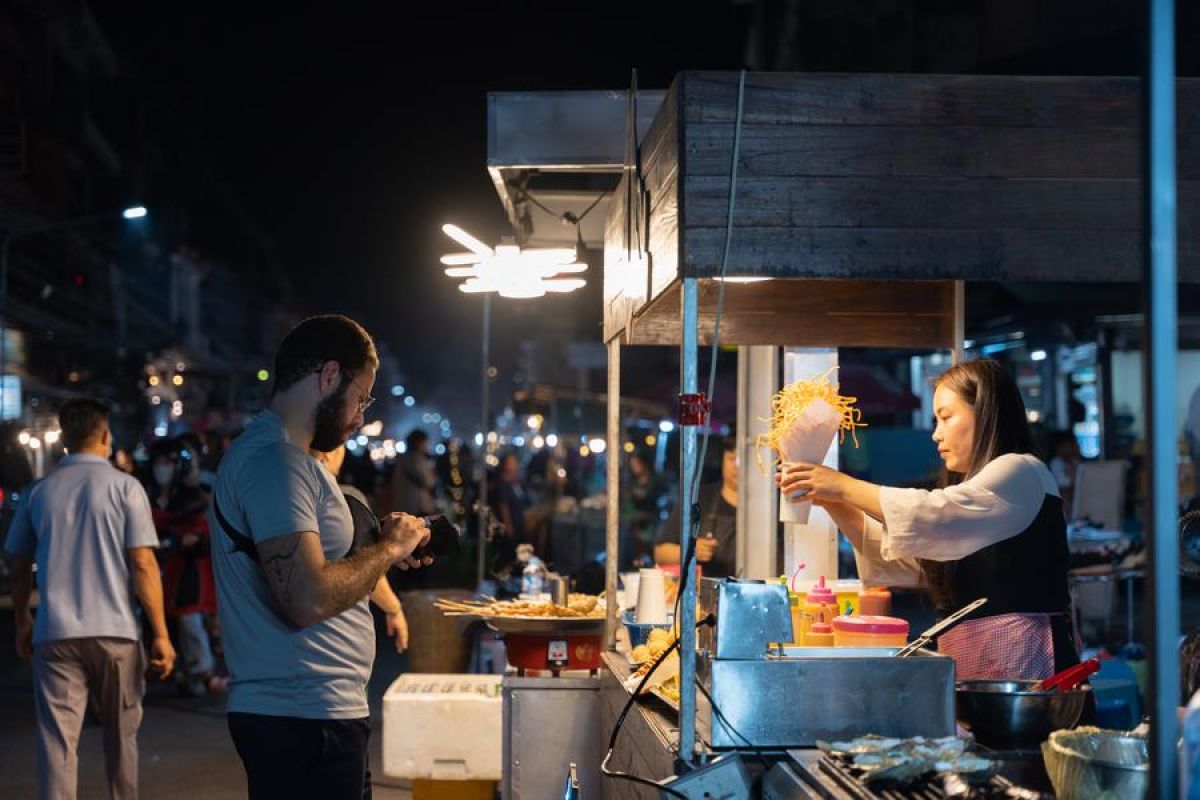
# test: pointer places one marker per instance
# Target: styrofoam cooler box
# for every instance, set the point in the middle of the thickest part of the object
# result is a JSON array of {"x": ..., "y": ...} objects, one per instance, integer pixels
[{"x": 443, "y": 727}]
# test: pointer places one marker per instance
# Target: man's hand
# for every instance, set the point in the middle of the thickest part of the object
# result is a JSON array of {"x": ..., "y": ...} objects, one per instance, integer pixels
[
  {"x": 24, "y": 637},
  {"x": 404, "y": 533},
  {"x": 397, "y": 628},
  {"x": 162, "y": 656},
  {"x": 706, "y": 548}
]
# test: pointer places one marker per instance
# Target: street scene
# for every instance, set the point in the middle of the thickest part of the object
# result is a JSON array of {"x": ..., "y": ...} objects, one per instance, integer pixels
[{"x": 740, "y": 399}]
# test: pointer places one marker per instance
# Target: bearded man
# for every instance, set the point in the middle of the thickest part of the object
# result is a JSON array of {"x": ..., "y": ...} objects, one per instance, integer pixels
[{"x": 291, "y": 591}]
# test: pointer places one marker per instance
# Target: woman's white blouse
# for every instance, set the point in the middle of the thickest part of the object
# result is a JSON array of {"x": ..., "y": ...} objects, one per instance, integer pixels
[{"x": 997, "y": 503}]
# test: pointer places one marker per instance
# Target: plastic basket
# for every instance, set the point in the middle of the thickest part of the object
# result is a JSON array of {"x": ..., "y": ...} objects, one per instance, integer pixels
[
  {"x": 639, "y": 632},
  {"x": 1097, "y": 764}
]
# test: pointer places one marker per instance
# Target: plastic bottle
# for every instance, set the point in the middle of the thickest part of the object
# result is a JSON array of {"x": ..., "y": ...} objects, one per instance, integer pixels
[
  {"x": 820, "y": 605},
  {"x": 533, "y": 580},
  {"x": 820, "y": 634},
  {"x": 875, "y": 601}
]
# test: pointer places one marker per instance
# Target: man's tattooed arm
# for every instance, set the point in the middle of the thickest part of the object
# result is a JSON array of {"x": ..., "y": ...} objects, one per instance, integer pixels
[{"x": 309, "y": 589}]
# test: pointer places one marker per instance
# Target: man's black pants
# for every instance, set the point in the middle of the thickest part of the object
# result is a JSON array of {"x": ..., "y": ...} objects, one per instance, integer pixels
[{"x": 290, "y": 758}]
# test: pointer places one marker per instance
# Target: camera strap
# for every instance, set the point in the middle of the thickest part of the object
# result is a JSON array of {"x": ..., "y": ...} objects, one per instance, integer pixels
[{"x": 241, "y": 542}]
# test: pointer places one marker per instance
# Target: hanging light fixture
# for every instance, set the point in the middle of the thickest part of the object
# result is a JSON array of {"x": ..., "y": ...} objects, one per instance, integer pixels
[{"x": 512, "y": 271}]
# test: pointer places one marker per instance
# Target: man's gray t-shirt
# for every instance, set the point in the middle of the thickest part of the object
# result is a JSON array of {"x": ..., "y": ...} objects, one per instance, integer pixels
[
  {"x": 267, "y": 486},
  {"x": 77, "y": 524}
]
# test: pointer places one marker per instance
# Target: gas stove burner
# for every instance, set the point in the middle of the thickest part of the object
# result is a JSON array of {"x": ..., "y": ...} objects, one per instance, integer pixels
[{"x": 934, "y": 787}]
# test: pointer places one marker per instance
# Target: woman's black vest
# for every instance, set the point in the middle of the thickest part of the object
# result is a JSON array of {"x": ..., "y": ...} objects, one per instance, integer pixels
[{"x": 1024, "y": 574}]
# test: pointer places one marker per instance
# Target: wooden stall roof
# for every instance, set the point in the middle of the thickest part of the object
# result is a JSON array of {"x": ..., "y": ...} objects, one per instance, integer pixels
[{"x": 884, "y": 178}]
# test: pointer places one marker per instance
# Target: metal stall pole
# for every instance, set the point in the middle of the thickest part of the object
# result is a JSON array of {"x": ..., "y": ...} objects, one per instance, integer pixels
[
  {"x": 480, "y": 565},
  {"x": 758, "y": 509},
  {"x": 958, "y": 348},
  {"x": 1161, "y": 346},
  {"x": 689, "y": 384},
  {"x": 612, "y": 522}
]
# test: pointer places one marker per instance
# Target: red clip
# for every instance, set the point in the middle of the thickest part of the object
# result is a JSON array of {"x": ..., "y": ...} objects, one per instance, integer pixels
[{"x": 693, "y": 409}]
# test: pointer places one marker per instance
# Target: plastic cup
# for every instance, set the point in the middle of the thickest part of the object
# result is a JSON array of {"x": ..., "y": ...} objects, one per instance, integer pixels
[
  {"x": 651, "y": 597},
  {"x": 630, "y": 581}
]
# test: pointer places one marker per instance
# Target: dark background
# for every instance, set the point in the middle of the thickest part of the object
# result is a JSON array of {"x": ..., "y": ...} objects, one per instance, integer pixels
[{"x": 352, "y": 131}]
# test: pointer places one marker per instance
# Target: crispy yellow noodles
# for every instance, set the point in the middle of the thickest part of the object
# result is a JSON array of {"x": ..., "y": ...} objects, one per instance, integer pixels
[{"x": 790, "y": 403}]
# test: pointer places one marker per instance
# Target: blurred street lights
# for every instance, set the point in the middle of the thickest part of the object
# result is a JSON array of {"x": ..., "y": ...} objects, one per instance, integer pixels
[
  {"x": 130, "y": 213},
  {"x": 513, "y": 272}
]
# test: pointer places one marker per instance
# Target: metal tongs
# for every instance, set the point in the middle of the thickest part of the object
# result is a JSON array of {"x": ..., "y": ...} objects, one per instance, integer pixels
[{"x": 926, "y": 637}]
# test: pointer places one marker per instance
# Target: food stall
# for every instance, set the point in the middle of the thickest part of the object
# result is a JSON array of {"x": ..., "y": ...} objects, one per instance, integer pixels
[{"x": 853, "y": 211}]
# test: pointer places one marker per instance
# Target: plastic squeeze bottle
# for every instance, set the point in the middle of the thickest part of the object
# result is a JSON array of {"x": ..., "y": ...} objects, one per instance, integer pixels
[
  {"x": 820, "y": 634},
  {"x": 820, "y": 605}
]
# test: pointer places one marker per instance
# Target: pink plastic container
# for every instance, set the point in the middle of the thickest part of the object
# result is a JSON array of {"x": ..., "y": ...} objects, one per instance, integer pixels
[{"x": 870, "y": 631}]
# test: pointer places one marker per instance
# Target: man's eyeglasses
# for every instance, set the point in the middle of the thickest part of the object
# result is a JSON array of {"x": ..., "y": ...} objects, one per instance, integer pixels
[{"x": 367, "y": 401}]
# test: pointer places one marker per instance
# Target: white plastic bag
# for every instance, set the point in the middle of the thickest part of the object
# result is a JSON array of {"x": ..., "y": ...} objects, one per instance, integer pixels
[{"x": 807, "y": 440}]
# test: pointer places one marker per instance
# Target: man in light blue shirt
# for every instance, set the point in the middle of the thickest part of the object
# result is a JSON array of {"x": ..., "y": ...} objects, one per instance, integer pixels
[
  {"x": 292, "y": 598},
  {"x": 89, "y": 529}
]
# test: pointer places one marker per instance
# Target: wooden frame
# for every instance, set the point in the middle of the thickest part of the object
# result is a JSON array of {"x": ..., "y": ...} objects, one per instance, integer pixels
[{"x": 869, "y": 200}]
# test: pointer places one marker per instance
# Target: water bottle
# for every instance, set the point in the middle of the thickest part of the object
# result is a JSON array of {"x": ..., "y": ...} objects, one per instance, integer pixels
[{"x": 533, "y": 579}]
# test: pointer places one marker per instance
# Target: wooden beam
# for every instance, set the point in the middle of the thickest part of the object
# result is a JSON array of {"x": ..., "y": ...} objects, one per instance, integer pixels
[
  {"x": 812, "y": 313},
  {"x": 927, "y": 100},
  {"x": 1000, "y": 254}
]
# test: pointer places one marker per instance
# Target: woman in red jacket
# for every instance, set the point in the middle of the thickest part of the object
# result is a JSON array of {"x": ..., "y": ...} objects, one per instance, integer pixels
[{"x": 180, "y": 516}]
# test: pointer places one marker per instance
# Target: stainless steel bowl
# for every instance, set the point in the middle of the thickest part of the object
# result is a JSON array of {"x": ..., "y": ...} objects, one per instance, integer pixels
[{"x": 1007, "y": 714}]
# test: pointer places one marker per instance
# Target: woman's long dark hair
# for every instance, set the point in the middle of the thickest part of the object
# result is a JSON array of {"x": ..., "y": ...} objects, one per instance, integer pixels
[{"x": 1001, "y": 427}]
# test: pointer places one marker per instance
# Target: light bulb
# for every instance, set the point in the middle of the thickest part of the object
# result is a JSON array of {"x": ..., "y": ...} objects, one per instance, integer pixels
[{"x": 467, "y": 240}]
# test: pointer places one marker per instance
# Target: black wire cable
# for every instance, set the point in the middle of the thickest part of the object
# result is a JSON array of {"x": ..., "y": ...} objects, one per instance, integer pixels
[
  {"x": 575, "y": 220},
  {"x": 567, "y": 216},
  {"x": 693, "y": 491},
  {"x": 612, "y": 739}
]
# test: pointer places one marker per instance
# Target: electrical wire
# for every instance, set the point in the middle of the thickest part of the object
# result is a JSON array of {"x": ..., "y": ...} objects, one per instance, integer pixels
[
  {"x": 627, "y": 776},
  {"x": 566, "y": 216},
  {"x": 693, "y": 498},
  {"x": 612, "y": 739},
  {"x": 716, "y": 342},
  {"x": 694, "y": 489}
]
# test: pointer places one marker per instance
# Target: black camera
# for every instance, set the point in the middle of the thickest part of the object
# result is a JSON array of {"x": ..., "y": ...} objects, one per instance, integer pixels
[{"x": 443, "y": 538}]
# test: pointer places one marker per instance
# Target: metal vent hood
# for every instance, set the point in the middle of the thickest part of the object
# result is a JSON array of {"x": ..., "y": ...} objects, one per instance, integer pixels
[{"x": 565, "y": 151}]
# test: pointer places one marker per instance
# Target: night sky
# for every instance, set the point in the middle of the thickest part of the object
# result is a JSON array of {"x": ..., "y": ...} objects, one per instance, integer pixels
[{"x": 353, "y": 131}]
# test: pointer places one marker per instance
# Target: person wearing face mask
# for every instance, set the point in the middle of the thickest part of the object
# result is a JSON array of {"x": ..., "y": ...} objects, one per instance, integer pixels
[
  {"x": 996, "y": 530},
  {"x": 291, "y": 587},
  {"x": 179, "y": 511}
]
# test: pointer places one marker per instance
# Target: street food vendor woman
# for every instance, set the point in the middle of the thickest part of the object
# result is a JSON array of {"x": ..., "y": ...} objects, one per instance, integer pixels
[{"x": 996, "y": 530}]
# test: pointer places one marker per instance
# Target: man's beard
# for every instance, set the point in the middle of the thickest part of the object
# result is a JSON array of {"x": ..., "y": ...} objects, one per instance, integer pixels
[{"x": 329, "y": 433}]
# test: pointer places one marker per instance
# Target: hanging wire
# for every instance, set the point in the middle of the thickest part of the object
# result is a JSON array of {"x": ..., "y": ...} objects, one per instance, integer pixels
[{"x": 565, "y": 216}]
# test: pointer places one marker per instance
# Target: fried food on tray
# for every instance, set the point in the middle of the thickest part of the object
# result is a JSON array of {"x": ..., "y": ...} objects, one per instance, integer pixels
[
  {"x": 579, "y": 608},
  {"x": 583, "y": 603},
  {"x": 640, "y": 654},
  {"x": 670, "y": 689},
  {"x": 660, "y": 635}
]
